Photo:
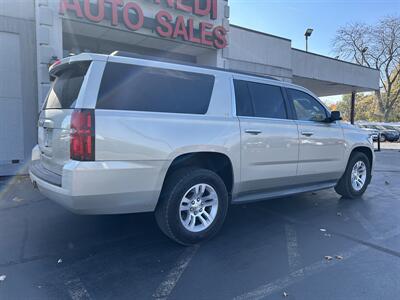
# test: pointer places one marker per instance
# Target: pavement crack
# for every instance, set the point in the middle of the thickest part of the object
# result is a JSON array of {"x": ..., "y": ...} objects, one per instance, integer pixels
[
  {"x": 368, "y": 244},
  {"x": 387, "y": 171}
]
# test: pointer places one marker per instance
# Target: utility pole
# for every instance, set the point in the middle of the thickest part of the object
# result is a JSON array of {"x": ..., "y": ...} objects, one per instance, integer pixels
[{"x": 353, "y": 107}]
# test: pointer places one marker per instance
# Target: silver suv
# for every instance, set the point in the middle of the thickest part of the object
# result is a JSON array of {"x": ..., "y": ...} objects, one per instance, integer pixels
[{"x": 123, "y": 134}]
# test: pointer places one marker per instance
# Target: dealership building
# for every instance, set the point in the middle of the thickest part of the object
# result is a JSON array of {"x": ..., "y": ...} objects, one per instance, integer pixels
[{"x": 35, "y": 33}]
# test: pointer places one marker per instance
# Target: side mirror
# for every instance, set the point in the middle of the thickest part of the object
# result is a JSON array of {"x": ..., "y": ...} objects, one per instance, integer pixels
[{"x": 335, "y": 116}]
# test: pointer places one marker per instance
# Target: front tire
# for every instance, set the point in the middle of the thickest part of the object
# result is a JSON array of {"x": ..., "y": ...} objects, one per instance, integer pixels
[
  {"x": 356, "y": 178},
  {"x": 192, "y": 206}
]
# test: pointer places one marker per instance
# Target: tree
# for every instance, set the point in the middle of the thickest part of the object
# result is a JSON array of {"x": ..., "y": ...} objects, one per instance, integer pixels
[
  {"x": 396, "y": 110},
  {"x": 366, "y": 108},
  {"x": 376, "y": 46}
]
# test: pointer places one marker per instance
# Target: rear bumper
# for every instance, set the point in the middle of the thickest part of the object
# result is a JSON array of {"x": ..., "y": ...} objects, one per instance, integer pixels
[
  {"x": 112, "y": 187},
  {"x": 44, "y": 174}
]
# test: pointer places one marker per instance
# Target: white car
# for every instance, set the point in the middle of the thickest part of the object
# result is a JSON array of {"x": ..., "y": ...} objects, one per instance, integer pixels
[{"x": 123, "y": 134}]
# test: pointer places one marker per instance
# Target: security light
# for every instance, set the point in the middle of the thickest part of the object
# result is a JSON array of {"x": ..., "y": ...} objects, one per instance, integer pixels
[
  {"x": 309, "y": 31},
  {"x": 307, "y": 34},
  {"x": 363, "y": 51}
]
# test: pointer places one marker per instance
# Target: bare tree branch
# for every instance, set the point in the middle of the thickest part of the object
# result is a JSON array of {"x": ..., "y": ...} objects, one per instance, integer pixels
[{"x": 377, "y": 46}]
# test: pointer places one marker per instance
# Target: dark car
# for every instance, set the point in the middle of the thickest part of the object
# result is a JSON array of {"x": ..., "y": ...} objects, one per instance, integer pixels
[
  {"x": 392, "y": 127},
  {"x": 389, "y": 135},
  {"x": 372, "y": 132}
]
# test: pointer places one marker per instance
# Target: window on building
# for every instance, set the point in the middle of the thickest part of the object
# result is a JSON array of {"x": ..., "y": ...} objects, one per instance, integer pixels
[
  {"x": 307, "y": 107},
  {"x": 259, "y": 100},
  {"x": 138, "y": 88}
]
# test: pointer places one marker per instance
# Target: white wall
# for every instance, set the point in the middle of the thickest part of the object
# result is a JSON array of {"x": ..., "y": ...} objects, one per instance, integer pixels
[
  {"x": 48, "y": 42},
  {"x": 312, "y": 66},
  {"x": 18, "y": 86},
  {"x": 21, "y": 9},
  {"x": 259, "y": 53}
]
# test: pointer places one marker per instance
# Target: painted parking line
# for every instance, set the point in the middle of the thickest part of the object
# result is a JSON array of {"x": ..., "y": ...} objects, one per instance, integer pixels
[
  {"x": 77, "y": 290},
  {"x": 294, "y": 258},
  {"x": 366, "y": 224},
  {"x": 300, "y": 274},
  {"x": 167, "y": 285}
]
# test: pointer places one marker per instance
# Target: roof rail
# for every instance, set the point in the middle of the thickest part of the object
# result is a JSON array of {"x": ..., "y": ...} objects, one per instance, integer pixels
[{"x": 169, "y": 60}]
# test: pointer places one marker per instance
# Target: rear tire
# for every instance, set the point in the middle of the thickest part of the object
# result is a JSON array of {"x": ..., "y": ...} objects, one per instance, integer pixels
[
  {"x": 193, "y": 205},
  {"x": 356, "y": 178}
]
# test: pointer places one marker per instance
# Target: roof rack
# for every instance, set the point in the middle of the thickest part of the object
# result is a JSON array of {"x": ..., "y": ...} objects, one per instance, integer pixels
[{"x": 169, "y": 60}]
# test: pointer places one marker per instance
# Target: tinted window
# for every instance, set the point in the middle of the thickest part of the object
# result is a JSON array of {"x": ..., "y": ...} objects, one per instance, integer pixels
[
  {"x": 259, "y": 100},
  {"x": 66, "y": 86},
  {"x": 128, "y": 87},
  {"x": 244, "y": 105},
  {"x": 307, "y": 108}
]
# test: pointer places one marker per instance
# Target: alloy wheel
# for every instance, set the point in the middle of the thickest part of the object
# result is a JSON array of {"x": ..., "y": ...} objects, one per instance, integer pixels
[
  {"x": 198, "y": 207},
  {"x": 358, "y": 175}
]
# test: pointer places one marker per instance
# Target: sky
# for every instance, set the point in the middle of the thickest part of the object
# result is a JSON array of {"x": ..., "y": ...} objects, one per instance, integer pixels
[{"x": 291, "y": 18}]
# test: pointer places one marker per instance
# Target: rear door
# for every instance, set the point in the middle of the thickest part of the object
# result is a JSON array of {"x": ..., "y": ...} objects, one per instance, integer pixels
[
  {"x": 322, "y": 144},
  {"x": 54, "y": 121},
  {"x": 269, "y": 139}
]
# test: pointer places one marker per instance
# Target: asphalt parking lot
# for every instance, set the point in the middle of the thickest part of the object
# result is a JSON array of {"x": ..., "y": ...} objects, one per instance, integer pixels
[{"x": 312, "y": 246}]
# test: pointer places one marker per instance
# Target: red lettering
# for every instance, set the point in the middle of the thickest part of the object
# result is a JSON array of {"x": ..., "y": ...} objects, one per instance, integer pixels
[
  {"x": 114, "y": 10},
  {"x": 180, "y": 28},
  {"x": 164, "y": 19},
  {"x": 139, "y": 15},
  {"x": 192, "y": 38},
  {"x": 220, "y": 41},
  {"x": 205, "y": 33},
  {"x": 74, "y": 6},
  {"x": 214, "y": 10},
  {"x": 183, "y": 7},
  {"x": 100, "y": 11},
  {"x": 170, "y": 3},
  {"x": 202, "y": 11}
]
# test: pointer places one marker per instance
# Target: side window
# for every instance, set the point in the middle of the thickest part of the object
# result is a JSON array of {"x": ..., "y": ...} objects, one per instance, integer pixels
[
  {"x": 307, "y": 108},
  {"x": 268, "y": 101},
  {"x": 259, "y": 100},
  {"x": 138, "y": 88},
  {"x": 244, "y": 105}
]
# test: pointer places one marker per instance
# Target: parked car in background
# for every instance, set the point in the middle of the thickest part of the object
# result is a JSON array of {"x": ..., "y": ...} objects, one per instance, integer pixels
[
  {"x": 374, "y": 133},
  {"x": 123, "y": 134},
  {"x": 392, "y": 127},
  {"x": 389, "y": 135}
]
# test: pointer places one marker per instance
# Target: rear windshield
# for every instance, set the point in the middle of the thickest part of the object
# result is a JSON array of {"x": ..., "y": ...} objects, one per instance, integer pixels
[
  {"x": 138, "y": 88},
  {"x": 65, "y": 88}
]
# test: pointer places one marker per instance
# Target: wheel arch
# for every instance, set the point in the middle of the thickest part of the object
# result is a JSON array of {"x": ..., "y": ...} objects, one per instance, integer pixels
[
  {"x": 217, "y": 162},
  {"x": 366, "y": 150}
]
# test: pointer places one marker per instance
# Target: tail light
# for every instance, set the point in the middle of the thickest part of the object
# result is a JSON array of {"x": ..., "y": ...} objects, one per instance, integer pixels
[{"x": 82, "y": 135}]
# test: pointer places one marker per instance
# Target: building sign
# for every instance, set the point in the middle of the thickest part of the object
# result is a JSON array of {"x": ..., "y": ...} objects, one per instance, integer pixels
[{"x": 131, "y": 15}]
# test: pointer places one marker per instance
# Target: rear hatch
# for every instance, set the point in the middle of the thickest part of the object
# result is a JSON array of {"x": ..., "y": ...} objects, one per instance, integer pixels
[{"x": 55, "y": 117}]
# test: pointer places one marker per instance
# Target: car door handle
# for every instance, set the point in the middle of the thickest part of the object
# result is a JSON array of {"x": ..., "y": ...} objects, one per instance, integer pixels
[
  {"x": 307, "y": 133},
  {"x": 253, "y": 131}
]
